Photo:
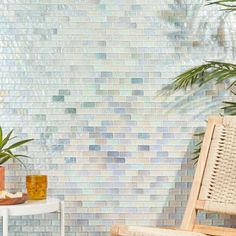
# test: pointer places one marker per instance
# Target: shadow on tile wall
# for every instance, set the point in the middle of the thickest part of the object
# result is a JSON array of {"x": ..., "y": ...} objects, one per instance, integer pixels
[{"x": 81, "y": 78}]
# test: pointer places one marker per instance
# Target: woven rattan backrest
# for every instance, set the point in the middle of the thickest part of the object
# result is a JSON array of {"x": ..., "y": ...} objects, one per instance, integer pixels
[
  {"x": 218, "y": 186},
  {"x": 214, "y": 184}
]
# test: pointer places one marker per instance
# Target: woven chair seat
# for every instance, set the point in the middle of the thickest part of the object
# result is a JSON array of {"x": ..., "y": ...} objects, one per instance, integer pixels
[{"x": 122, "y": 230}]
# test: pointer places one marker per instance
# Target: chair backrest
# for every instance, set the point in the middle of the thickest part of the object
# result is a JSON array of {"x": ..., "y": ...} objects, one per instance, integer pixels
[{"x": 214, "y": 185}]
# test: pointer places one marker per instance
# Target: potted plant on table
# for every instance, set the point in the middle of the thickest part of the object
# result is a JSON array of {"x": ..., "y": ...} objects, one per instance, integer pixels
[{"x": 6, "y": 153}]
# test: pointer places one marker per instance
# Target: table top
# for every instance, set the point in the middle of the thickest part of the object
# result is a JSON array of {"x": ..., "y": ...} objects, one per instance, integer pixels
[{"x": 32, "y": 207}]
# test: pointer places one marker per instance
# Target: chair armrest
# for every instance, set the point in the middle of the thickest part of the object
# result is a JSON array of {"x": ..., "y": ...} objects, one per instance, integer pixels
[{"x": 124, "y": 230}]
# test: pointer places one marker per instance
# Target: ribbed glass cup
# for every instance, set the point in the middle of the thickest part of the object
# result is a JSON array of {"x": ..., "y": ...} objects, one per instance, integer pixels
[{"x": 36, "y": 187}]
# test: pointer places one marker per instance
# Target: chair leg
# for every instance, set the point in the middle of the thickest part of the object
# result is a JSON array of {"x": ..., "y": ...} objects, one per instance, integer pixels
[
  {"x": 5, "y": 222},
  {"x": 62, "y": 218},
  {"x": 118, "y": 230}
]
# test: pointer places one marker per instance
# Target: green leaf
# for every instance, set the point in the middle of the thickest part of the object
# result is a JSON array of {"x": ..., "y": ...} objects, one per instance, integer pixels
[
  {"x": 0, "y": 135},
  {"x": 13, "y": 137},
  {"x": 2, "y": 154},
  {"x": 230, "y": 108},
  {"x": 190, "y": 77},
  {"x": 5, "y": 159},
  {"x": 6, "y": 153},
  {"x": 226, "y": 4},
  {"x": 20, "y": 143},
  {"x": 198, "y": 144},
  {"x": 200, "y": 75},
  {"x": 19, "y": 155},
  {"x": 230, "y": 103},
  {"x": 199, "y": 134},
  {"x": 5, "y": 140},
  {"x": 11, "y": 156},
  {"x": 19, "y": 160}
]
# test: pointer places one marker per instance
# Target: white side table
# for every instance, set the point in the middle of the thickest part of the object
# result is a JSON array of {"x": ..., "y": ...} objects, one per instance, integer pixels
[{"x": 33, "y": 208}]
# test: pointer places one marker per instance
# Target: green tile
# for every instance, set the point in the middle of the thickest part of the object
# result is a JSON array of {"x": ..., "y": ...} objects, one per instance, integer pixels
[
  {"x": 70, "y": 110},
  {"x": 64, "y": 92},
  {"x": 58, "y": 98},
  {"x": 89, "y": 104}
]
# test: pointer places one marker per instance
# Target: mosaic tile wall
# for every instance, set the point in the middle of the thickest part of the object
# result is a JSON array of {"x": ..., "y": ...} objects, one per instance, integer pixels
[{"x": 81, "y": 77}]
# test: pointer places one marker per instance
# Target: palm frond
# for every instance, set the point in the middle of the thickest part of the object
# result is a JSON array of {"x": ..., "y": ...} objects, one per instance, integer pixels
[
  {"x": 198, "y": 144},
  {"x": 212, "y": 70},
  {"x": 229, "y": 108},
  {"x": 228, "y": 5}
]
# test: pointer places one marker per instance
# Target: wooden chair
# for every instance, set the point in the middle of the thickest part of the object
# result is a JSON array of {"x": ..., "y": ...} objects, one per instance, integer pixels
[{"x": 213, "y": 188}]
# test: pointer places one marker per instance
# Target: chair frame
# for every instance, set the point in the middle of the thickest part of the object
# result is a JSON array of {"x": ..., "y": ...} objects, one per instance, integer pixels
[{"x": 194, "y": 204}]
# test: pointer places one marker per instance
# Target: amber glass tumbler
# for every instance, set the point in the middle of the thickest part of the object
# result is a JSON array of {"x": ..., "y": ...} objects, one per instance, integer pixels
[{"x": 36, "y": 187}]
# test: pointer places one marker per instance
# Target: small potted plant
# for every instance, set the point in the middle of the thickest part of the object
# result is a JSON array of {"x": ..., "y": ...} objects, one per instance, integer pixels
[{"x": 6, "y": 153}]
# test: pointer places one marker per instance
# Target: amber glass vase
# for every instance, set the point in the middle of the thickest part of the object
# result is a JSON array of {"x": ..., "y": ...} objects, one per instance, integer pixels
[{"x": 36, "y": 187}]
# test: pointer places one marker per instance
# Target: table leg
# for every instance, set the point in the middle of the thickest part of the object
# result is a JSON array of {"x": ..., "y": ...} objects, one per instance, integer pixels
[
  {"x": 62, "y": 211},
  {"x": 5, "y": 222}
]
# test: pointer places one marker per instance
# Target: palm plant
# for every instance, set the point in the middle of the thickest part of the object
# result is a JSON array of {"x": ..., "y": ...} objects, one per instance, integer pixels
[
  {"x": 210, "y": 71},
  {"x": 6, "y": 153}
]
